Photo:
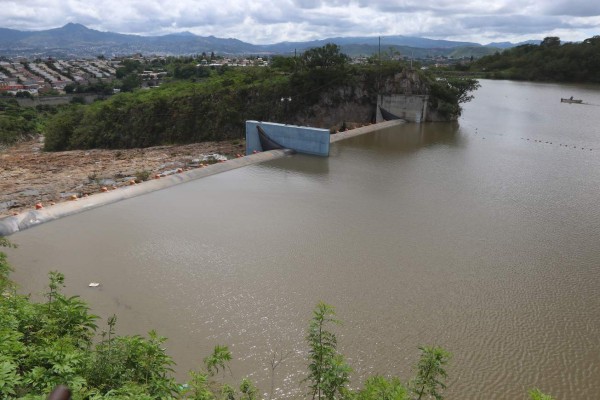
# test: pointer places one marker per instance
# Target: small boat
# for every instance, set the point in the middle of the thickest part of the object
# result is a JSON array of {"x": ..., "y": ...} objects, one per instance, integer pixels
[{"x": 571, "y": 100}]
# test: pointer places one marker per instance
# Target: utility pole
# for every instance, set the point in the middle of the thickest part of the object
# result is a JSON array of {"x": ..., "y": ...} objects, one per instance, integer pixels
[
  {"x": 379, "y": 66},
  {"x": 379, "y": 95}
]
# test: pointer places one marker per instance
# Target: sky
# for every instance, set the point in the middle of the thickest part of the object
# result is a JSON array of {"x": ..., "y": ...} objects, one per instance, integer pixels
[{"x": 272, "y": 21}]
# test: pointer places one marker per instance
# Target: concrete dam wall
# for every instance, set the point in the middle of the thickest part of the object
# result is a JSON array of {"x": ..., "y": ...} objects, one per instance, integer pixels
[{"x": 411, "y": 108}]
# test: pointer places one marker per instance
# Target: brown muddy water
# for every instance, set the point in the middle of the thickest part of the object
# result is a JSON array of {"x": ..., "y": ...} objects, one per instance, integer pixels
[{"x": 480, "y": 236}]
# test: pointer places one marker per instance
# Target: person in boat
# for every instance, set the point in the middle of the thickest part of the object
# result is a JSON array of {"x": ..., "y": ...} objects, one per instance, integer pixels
[{"x": 571, "y": 98}]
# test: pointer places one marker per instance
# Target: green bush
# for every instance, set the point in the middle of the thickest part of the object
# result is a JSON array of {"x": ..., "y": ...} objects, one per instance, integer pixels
[
  {"x": 17, "y": 122},
  {"x": 60, "y": 128}
]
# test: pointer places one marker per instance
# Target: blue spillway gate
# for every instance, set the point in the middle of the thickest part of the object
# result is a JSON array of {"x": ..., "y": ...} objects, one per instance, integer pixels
[{"x": 302, "y": 139}]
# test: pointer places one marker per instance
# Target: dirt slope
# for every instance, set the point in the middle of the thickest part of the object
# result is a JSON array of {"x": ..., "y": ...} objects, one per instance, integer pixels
[{"x": 29, "y": 175}]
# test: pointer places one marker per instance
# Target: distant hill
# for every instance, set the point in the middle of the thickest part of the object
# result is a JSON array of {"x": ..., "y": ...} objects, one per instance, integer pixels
[
  {"x": 76, "y": 40},
  {"x": 507, "y": 45}
]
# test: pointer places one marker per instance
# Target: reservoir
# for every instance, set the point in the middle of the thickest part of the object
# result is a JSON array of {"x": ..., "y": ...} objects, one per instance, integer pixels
[{"x": 481, "y": 236}]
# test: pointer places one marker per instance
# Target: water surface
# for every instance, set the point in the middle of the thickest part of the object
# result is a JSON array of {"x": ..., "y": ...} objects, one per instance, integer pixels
[{"x": 480, "y": 236}]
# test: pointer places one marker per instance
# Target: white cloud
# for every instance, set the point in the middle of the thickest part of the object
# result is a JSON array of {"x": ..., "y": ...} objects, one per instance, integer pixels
[{"x": 269, "y": 21}]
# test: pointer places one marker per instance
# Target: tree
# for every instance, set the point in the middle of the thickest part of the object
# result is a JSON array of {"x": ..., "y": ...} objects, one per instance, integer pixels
[
  {"x": 446, "y": 95},
  {"x": 127, "y": 67},
  {"x": 218, "y": 359},
  {"x": 70, "y": 88},
  {"x": 189, "y": 71},
  {"x": 130, "y": 82},
  {"x": 380, "y": 388},
  {"x": 325, "y": 57},
  {"x": 431, "y": 372},
  {"x": 328, "y": 372},
  {"x": 594, "y": 40},
  {"x": 248, "y": 390},
  {"x": 462, "y": 88},
  {"x": 550, "y": 41},
  {"x": 24, "y": 94},
  {"x": 60, "y": 128},
  {"x": 276, "y": 360},
  {"x": 284, "y": 63}
]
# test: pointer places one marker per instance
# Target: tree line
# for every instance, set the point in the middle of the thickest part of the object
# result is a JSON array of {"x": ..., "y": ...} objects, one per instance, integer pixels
[{"x": 550, "y": 61}]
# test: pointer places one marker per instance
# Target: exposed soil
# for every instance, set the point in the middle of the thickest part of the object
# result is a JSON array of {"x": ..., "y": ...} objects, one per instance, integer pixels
[{"x": 28, "y": 175}]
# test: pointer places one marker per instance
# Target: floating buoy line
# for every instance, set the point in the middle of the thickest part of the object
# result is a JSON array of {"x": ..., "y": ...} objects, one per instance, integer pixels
[{"x": 538, "y": 141}]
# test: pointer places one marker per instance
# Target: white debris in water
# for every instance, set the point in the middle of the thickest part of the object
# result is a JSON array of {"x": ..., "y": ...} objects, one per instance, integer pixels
[{"x": 94, "y": 284}]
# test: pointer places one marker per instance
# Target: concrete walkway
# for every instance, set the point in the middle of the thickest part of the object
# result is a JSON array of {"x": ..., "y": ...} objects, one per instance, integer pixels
[
  {"x": 12, "y": 224},
  {"x": 365, "y": 129}
]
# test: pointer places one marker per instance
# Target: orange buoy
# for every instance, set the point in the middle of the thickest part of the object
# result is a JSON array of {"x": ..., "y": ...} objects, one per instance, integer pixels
[
  {"x": 38, "y": 206},
  {"x": 132, "y": 182},
  {"x": 73, "y": 197},
  {"x": 157, "y": 176},
  {"x": 104, "y": 189},
  {"x": 179, "y": 170}
]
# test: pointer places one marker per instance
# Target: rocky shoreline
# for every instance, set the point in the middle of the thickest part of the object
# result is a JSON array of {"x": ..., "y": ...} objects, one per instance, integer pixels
[{"x": 29, "y": 176}]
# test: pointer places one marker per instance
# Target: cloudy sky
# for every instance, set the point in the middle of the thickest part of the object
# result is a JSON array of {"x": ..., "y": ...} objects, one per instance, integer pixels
[{"x": 271, "y": 21}]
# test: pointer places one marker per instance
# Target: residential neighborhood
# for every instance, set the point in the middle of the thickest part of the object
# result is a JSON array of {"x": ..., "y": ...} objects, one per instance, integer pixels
[{"x": 51, "y": 76}]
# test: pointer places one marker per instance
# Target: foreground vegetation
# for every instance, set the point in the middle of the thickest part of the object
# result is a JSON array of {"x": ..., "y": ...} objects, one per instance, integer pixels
[
  {"x": 43, "y": 345},
  {"x": 551, "y": 61}
]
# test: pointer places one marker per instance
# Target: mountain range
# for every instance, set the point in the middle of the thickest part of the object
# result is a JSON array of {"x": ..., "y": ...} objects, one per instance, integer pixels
[{"x": 76, "y": 40}]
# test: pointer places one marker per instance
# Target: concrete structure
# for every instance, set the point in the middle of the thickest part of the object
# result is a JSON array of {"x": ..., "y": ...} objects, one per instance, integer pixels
[
  {"x": 363, "y": 130},
  {"x": 412, "y": 108},
  {"x": 302, "y": 139}
]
